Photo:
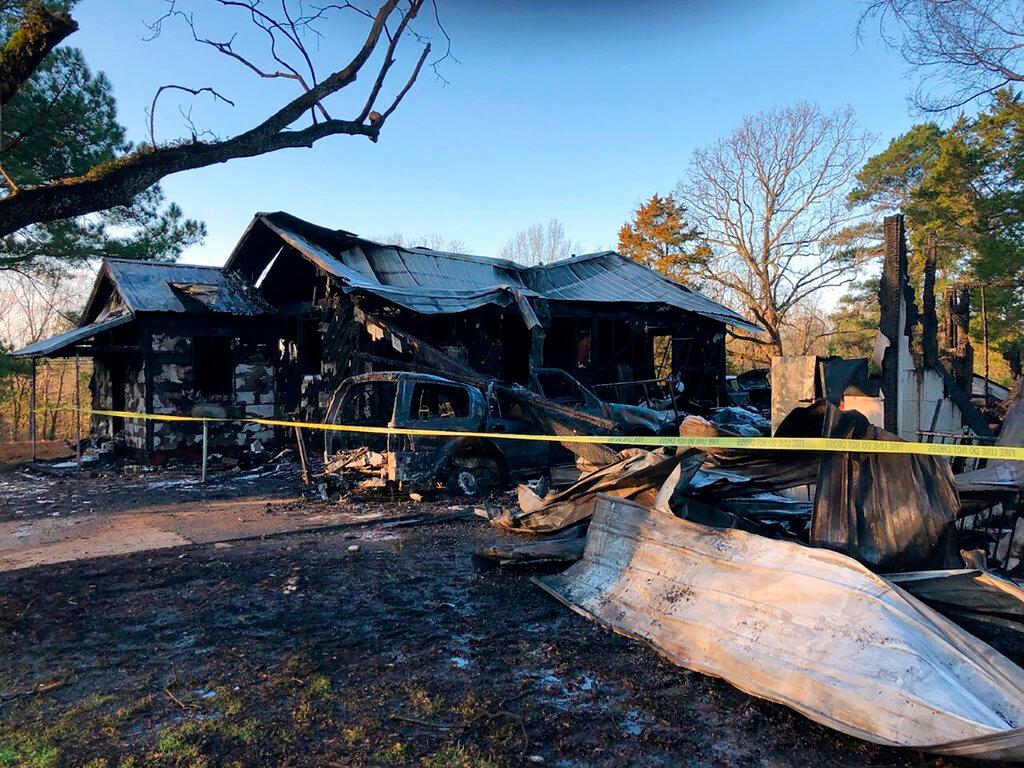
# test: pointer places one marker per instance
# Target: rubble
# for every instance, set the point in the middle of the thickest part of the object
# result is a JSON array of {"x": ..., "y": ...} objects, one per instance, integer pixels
[
  {"x": 551, "y": 551},
  {"x": 741, "y": 422},
  {"x": 969, "y": 592},
  {"x": 762, "y": 470},
  {"x": 636, "y": 474}
]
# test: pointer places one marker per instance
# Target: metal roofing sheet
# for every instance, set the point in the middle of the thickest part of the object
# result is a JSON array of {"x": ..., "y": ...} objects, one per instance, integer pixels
[
  {"x": 148, "y": 286},
  {"x": 610, "y": 277},
  {"x": 55, "y": 344}
]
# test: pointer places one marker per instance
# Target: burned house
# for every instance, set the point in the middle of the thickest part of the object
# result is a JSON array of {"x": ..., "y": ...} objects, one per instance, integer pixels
[
  {"x": 165, "y": 338},
  {"x": 275, "y": 331}
]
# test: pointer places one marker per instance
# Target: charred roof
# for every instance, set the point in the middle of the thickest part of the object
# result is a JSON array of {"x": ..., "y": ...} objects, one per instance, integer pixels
[{"x": 430, "y": 281}]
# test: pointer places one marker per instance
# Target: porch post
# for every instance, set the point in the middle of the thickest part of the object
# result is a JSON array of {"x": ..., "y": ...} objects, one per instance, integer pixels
[
  {"x": 78, "y": 415},
  {"x": 32, "y": 411}
]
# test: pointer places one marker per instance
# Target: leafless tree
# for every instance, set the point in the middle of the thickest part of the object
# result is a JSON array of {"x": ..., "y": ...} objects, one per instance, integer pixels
[
  {"x": 287, "y": 30},
  {"x": 434, "y": 241},
  {"x": 962, "y": 49},
  {"x": 33, "y": 307},
  {"x": 770, "y": 203},
  {"x": 540, "y": 244}
]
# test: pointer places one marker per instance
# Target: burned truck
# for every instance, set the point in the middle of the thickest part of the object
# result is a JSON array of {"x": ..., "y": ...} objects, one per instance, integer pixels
[
  {"x": 365, "y": 408},
  {"x": 558, "y": 386},
  {"x": 467, "y": 466}
]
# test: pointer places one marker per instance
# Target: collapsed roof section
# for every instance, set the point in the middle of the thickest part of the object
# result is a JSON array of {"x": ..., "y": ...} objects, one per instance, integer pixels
[
  {"x": 148, "y": 286},
  {"x": 124, "y": 287},
  {"x": 439, "y": 282}
]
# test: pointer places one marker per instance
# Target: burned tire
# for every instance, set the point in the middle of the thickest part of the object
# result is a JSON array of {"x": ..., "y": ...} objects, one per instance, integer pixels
[{"x": 474, "y": 474}]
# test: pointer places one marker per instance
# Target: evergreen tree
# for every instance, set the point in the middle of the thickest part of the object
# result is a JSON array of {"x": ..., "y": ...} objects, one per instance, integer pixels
[
  {"x": 855, "y": 321},
  {"x": 965, "y": 185},
  {"x": 61, "y": 123},
  {"x": 659, "y": 237}
]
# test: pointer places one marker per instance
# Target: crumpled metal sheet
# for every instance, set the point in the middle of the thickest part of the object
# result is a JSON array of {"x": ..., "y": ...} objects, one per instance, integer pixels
[
  {"x": 981, "y": 488},
  {"x": 1012, "y": 430},
  {"x": 808, "y": 628},
  {"x": 636, "y": 474},
  {"x": 892, "y": 512},
  {"x": 969, "y": 591},
  {"x": 763, "y": 470}
]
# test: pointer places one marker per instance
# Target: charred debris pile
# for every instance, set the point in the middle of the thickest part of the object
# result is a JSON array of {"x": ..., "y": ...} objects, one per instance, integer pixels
[{"x": 829, "y": 583}]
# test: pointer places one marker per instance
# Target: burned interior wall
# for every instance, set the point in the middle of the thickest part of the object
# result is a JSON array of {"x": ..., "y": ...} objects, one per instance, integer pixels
[
  {"x": 491, "y": 340},
  {"x": 921, "y": 397},
  {"x": 117, "y": 383},
  {"x": 317, "y": 354},
  {"x": 592, "y": 342},
  {"x": 959, "y": 354},
  {"x": 101, "y": 387}
]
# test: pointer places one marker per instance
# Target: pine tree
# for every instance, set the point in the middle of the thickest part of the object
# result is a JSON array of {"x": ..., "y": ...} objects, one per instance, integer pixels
[{"x": 62, "y": 122}]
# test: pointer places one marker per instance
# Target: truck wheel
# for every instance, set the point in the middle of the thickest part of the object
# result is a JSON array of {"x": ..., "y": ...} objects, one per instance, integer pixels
[{"x": 473, "y": 475}]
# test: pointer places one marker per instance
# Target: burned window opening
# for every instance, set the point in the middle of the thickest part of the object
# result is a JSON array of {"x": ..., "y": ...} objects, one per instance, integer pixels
[
  {"x": 439, "y": 401},
  {"x": 661, "y": 352},
  {"x": 583, "y": 348},
  {"x": 311, "y": 345},
  {"x": 370, "y": 404},
  {"x": 212, "y": 359}
]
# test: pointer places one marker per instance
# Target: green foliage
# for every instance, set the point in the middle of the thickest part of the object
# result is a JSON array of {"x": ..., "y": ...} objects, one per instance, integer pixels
[
  {"x": 395, "y": 753},
  {"x": 10, "y": 369},
  {"x": 61, "y": 124},
  {"x": 887, "y": 180},
  {"x": 182, "y": 746},
  {"x": 964, "y": 185},
  {"x": 659, "y": 237},
  {"x": 855, "y": 321},
  {"x": 27, "y": 752}
]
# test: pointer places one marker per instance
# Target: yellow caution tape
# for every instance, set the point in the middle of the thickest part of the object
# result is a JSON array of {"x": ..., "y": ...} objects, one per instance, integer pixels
[{"x": 834, "y": 445}]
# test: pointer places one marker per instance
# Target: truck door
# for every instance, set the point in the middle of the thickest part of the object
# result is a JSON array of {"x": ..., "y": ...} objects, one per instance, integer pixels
[{"x": 363, "y": 403}]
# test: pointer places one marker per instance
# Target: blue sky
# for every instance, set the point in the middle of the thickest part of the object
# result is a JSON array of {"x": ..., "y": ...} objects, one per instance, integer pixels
[{"x": 556, "y": 109}]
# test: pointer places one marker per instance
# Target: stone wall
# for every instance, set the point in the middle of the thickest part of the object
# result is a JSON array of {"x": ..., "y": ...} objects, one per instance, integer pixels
[
  {"x": 102, "y": 387},
  {"x": 133, "y": 432},
  {"x": 172, "y": 364},
  {"x": 135, "y": 401}
]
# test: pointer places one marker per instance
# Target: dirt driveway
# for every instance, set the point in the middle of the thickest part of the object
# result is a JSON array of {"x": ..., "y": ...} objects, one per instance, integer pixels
[
  {"x": 373, "y": 645},
  {"x": 46, "y": 519}
]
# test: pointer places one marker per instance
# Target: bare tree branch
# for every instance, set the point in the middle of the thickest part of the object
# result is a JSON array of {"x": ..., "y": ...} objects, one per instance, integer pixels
[
  {"x": 770, "y": 203},
  {"x": 961, "y": 49},
  {"x": 193, "y": 91},
  {"x": 119, "y": 182}
]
